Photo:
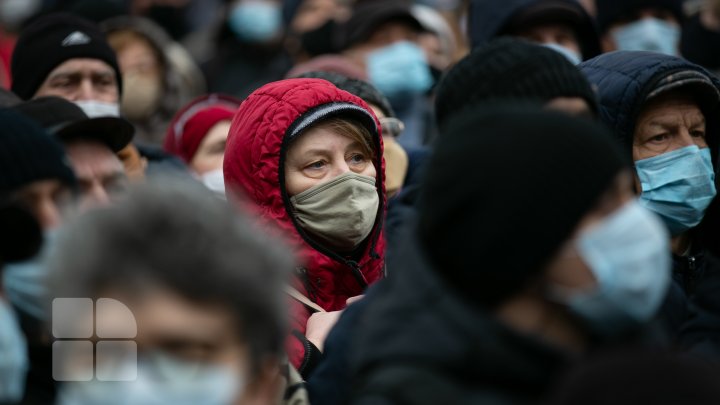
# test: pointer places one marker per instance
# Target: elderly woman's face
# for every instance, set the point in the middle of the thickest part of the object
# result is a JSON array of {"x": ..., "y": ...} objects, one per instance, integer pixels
[
  {"x": 320, "y": 155},
  {"x": 668, "y": 123}
]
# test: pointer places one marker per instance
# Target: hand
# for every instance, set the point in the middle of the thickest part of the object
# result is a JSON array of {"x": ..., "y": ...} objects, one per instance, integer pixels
[{"x": 319, "y": 325}]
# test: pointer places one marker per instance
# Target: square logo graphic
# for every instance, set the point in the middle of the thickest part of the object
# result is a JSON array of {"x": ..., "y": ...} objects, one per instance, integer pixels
[{"x": 88, "y": 345}]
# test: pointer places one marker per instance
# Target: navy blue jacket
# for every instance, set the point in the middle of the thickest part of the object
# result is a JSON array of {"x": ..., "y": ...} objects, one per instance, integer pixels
[
  {"x": 623, "y": 81},
  {"x": 488, "y": 19}
]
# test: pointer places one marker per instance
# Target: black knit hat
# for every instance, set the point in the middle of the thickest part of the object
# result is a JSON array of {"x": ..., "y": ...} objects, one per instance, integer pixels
[
  {"x": 52, "y": 40},
  {"x": 29, "y": 154},
  {"x": 366, "y": 91},
  {"x": 613, "y": 11},
  {"x": 508, "y": 68},
  {"x": 505, "y": 189}
]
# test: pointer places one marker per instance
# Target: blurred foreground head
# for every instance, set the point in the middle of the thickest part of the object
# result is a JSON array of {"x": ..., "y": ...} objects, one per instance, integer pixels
[{"x": 192, "y": 282}]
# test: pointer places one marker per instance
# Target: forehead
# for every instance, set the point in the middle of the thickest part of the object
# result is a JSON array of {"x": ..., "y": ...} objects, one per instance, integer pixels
[
  {"x": 93, "y": 156},
  {"x": 82, "y": 66},
  {"x": 671, "y": 104}
]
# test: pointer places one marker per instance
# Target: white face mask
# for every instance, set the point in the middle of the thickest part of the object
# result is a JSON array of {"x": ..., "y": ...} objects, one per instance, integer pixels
[
  {"x": 215, "y": 181},
  {"x": 629, "y": 255},
  {"x": 94, "y": 109},
  {"x": 160, "y": 380}
]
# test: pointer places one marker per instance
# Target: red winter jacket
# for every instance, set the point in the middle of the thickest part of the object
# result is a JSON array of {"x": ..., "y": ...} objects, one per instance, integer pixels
[{"x": 253, "y": 166}]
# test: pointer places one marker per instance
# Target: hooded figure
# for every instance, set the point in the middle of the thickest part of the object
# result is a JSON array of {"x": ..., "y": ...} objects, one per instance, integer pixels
[
  {"x": 155, "y": 85},
  {"x": 456, "y": 322},
  {"x": 268, "y": 124},
  {"x": 678, "y": 183},
  {"x": 491, "y": 19}
]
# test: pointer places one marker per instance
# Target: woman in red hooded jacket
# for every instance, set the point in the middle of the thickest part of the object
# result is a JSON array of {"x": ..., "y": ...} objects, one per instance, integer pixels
[{"x": 309, "y": 156}]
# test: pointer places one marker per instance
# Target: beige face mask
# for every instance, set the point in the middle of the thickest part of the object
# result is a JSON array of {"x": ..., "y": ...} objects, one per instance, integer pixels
[
  {"x": 140, "y": 97},
  {"x": 339, "y": 213}
]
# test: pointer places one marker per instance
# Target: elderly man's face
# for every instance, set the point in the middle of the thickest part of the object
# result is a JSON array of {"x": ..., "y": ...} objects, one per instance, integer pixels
[
  {"x": 670, "y": 122},
  {"x": 100, "y": 174},
  {"x": 81, "y": 79},
  {"x": 48, "y": 200}
]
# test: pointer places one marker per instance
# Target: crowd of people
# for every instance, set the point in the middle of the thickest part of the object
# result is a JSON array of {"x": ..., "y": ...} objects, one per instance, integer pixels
[{"x": 359, "y": 202}]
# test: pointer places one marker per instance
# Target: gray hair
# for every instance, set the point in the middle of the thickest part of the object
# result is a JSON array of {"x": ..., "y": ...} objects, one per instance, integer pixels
[{"x": 177, "y": 235}]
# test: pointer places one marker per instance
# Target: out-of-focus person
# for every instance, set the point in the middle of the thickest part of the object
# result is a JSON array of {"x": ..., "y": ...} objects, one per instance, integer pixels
[
  {"x": 640, "y": 25},
  {"x": 159, "y": 76},
  {"x": 701, "y": 36},
  {"x": 36, "y": 178},
  {"x": 562, "y": 25},
  {"x": 538, "y": 257},
  {"x": 66, "y": 56},
  {"x": 91, "y": 145},
  {"x": 311, "y": 166},
  {"x": 198, "y": 135},
  {"x": 201, "y": 296}
]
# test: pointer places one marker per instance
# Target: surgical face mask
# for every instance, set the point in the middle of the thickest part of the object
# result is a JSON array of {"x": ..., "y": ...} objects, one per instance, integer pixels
[
  {"x": 215, "y": 181},
  {"x": 629, "y": 255},
  {"x": 339, "y": 213},
  {"x": 160, "y": 380},
  {"x": 25, "y": 283},
  {"x": 13, "y": 356},
  {"x": 678, "y": 186},
  {"x": 399, "y": 70},
  {"x": 648, "y": 34},
  {"x": 569, "y": 54},
  {"x": 94, "y": 109},
  {"x": 256, "y": 21},
  {"x": 141, "y": 96}
]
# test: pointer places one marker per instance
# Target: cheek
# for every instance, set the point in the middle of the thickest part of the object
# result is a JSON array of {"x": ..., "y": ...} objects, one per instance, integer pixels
[
  {"x": 296, "y": 182},
  {"x": 203, "y": 163},
  {"x": 370, "y": 171}
]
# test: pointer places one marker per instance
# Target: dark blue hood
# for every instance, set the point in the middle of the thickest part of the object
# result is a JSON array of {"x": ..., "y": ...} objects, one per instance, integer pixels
[
  {"x": 623, "y": 80},
  {"x": 488, "y": 19}
]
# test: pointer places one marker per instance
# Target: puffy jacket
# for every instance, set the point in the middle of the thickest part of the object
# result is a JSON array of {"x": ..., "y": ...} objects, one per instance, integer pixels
[
  {"x": 489, "y": 19},
  {"x": 624, "y": 79},
  {"x": 253, "y": 164}
]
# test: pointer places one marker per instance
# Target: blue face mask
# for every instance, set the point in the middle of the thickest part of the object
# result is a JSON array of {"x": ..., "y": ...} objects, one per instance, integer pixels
[
  {"x": 13, "y": 356},
  {"x": 678, "y": 186},
  {"x": 25, "y": 283},
  {"x": 629, "y": 255},
  {"x": 160, "y": 380},
  {"x": 256, "y": 21},
  {"x": 570, "y": 55},
  {"x": 399, "y": 70},
  {"x": 648, "y": 34}
]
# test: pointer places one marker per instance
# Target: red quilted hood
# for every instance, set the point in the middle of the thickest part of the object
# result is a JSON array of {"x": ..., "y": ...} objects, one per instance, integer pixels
[{"x": 253, "y": 165}]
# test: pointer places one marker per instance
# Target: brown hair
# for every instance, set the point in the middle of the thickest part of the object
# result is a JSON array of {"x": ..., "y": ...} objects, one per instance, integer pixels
[{"x": 353, "y": 130}]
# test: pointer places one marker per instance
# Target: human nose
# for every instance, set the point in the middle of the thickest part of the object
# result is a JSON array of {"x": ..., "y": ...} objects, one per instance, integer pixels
[
  {"x": 96, "y": 196},
  {"x": 86, "y": 91}
]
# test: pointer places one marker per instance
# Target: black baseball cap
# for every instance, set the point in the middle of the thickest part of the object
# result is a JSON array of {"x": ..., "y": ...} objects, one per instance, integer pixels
[{"x": 66, "y": 121}]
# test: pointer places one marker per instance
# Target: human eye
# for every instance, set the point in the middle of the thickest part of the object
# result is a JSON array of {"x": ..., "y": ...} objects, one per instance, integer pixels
[
  {"x": 660, "y": 138},
  {"x": 357, "y": 158},
  {"x": 697, "y": 133},
  {"x": 317, "y": 165}
]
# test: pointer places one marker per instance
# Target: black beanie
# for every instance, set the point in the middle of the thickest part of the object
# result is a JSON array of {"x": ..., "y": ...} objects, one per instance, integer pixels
[
  {"x": 505, "y": 189},
  {"x": 614, "y": 11},
  {"x": 29, "y": 154},
  {"x": 366, "y": 91},
  {"x": 509, "y": 68},
  {"x": 52, "y": 40}
]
